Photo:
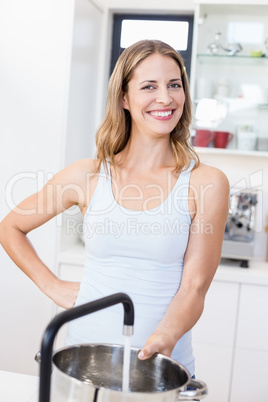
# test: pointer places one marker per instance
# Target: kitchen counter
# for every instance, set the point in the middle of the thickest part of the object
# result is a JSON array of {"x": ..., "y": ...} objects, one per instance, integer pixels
[
  {"x": 230, "y": 271},
  {"x": 15, "y": 387}
]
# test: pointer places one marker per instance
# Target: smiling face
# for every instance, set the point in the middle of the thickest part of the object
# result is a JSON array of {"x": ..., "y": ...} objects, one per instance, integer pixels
[{"x": 155, "y": 96}]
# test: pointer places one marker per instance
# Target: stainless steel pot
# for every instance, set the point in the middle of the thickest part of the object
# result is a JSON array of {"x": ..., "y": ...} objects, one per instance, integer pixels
[{"x": 93, "y": 372}]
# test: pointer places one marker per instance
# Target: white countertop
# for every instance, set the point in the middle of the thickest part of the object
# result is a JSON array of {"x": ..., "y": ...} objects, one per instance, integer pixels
[
  {"x": 15, "y": 387},
  {"x": 230, "y": 271}
]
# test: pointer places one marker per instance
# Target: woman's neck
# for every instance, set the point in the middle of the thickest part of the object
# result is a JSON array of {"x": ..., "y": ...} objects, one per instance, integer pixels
[{"x": 145, "y": 154}]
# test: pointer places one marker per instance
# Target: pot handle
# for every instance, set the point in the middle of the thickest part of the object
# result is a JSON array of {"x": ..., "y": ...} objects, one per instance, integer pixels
[
  {"x": 193, "y": 394},
  {"x": 71, "y": 314}
]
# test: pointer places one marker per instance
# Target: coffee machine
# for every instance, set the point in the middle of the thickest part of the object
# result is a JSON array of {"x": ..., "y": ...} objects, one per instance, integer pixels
[{"x": 238, "y": 240}]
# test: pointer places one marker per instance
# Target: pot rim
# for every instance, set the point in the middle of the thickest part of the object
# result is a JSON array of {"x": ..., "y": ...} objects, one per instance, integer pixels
[{"x": 76, "y": 381}]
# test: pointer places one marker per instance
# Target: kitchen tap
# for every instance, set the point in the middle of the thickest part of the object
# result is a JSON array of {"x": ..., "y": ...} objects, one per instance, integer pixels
[{"x": 71, "y": 314}]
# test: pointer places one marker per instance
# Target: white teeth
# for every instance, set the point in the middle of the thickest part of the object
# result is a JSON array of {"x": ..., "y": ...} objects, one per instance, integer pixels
[{"x": 161, "y": 114}]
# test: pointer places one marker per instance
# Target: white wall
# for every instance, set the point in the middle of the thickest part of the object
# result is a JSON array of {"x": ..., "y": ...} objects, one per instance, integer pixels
[
  {"x": 85, "y": 81},
  {"x": 35, "y": 51},
  {"x": 151, "y": 5},
  {"x": 88, "y": 88}
]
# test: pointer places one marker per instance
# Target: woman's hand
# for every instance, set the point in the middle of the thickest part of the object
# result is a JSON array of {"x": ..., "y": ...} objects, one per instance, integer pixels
[
  {"x": 160, "y": 341},
  {"x": 63, "y": 293}
]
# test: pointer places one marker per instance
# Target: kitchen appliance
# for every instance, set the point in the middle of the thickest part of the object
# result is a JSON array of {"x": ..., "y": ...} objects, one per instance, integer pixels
[
  {"x": 93, "y": 372},
  {"x": 238, "y": 240}
]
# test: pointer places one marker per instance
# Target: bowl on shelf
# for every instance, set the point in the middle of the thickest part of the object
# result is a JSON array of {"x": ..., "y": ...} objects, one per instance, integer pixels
[{"x": 256, "y": 53}]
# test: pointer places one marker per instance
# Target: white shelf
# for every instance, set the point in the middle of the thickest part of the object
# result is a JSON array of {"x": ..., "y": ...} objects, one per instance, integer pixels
[
  {"x": 231, "y": 152},
  {"x": 236, "y": 59}
]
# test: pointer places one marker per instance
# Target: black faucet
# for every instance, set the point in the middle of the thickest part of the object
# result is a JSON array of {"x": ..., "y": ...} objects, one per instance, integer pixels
[{"x": 68, "y": 315}]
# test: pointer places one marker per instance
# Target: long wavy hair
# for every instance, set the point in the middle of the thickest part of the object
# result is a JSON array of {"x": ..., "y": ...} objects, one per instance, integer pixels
[{"x": 114, "y": 132}]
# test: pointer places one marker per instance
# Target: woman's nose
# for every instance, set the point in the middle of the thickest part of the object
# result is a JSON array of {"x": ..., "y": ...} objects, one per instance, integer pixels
[{"x": 163, "y": 96}]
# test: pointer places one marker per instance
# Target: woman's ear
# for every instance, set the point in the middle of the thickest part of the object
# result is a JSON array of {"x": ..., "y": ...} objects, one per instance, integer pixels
[{"x": 125, "y": 102}]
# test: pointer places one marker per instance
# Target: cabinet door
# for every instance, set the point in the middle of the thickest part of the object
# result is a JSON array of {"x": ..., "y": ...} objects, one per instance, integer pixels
[
  {"x": 251, "y": 357},
  {"x": 250, "y": 376},
  {"x": 217, "y": 323},
  {"x": 252, "y": 330},
  {"x": 213, "y": 366},
  {"x": 214, "y": 339}
]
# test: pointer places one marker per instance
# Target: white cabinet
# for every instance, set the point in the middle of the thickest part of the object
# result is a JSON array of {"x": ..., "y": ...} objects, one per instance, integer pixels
[
  {"x": 214, "y": 339},
  {"x": 213, "y": 366},
  {"x": 231, "y": 342},
  {"x": 251, "y": 354},
  {"x": 252, "y": 330},
  {"x": 250, "y": 376},
  {"x": 230, "y": 92},
  {"x": 221, "y": 310}
]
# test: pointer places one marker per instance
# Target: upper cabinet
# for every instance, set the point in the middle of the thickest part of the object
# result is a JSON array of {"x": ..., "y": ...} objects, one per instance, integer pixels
[{"x": 229, "y": 77}]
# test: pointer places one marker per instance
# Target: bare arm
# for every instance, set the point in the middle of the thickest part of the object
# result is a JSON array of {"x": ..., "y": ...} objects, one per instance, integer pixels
[
  {"x": 65, "y": 189},
  {"x": 201, "y": 261}
]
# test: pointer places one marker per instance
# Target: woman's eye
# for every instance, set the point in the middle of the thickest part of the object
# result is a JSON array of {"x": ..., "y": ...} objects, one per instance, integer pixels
[
  {"x": 175, "y": 85},
  {"x": 148, "y": 87}
]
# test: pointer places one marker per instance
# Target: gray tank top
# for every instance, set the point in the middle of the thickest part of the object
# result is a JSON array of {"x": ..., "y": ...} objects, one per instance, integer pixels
[{"x": 140, "y": 253}]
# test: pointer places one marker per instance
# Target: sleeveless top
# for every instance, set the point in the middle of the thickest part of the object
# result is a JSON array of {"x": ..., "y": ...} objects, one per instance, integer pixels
[{"x": 140, "y": 253}]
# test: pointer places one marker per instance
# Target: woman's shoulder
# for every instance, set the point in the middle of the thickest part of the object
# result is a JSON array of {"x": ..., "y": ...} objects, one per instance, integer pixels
[
  {"x": 209, "y": 175},
  {"x": 78, "y": 172},
  {"x": 83, "y": 166},
  {"x": 86, "y": 164}
]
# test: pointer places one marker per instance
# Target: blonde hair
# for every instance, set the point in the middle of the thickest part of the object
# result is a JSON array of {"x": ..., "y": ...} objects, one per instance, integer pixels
[{"x": 114, "y": 132}]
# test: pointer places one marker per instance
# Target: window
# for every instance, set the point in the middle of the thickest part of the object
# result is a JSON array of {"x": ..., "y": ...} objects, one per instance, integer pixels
[{"x": 176, "y": 30}]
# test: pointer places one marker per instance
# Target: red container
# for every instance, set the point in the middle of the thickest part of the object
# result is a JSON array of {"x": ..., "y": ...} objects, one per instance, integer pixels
[
  {"x": 222, "y": 139},
  {"x": 203, "y": 137}
]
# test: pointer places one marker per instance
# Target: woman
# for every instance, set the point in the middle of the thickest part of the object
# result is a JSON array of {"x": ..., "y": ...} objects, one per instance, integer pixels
[{"x": 154, "y": 217}]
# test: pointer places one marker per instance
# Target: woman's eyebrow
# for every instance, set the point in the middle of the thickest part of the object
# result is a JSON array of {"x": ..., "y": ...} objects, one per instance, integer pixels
[
  {"x": 154, "y": 81},
  {"x": 151, "y": 81}
]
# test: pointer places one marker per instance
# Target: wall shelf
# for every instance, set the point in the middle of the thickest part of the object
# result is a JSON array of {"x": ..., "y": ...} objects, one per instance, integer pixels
[
  {"x": 230, "y": 152},
  {"x": 236, "y": 59}
]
